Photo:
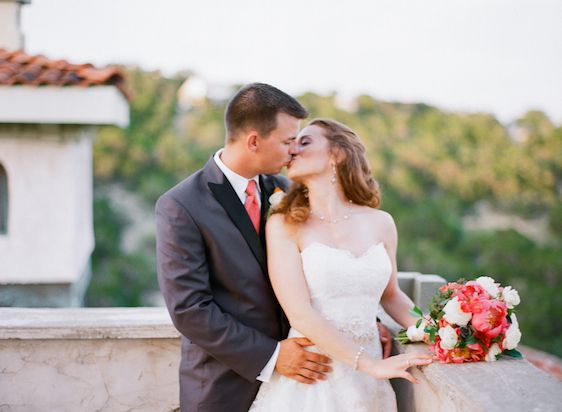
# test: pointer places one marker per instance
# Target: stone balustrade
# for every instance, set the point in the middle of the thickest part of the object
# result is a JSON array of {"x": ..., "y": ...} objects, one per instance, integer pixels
[
  {"x": 89, "y": 359},
  {"x": 505, "y": 385},
  {"x": 122, "y": 359}
]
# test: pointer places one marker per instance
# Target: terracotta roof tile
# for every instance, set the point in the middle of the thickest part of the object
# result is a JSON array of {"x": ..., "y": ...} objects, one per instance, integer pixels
[{"x": 19, "y": 68}]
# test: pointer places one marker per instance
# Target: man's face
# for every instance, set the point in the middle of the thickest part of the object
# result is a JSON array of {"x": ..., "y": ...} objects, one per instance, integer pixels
[{"x": 276, "y": 150}]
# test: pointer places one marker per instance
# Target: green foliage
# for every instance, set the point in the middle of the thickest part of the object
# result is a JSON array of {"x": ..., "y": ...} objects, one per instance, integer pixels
[
  {"x": 433, "y": 167},
  {"x": 437, "y": 304},
  {"x": 118, "y": 278},
  {"x": 416, "y": 311},
  {"x": 514, "y": 353}
]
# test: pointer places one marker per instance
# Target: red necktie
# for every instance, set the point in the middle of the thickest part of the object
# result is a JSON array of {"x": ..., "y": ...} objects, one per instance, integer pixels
[{"x": 252, "y": 206}]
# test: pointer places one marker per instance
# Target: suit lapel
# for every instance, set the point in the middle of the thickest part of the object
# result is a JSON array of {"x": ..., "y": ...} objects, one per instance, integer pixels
[
  {"x": 267, "y": 188},
  {"x": 229, "y": 200}
]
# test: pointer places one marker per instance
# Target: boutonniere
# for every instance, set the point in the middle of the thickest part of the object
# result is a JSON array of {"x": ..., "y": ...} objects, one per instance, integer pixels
[{"x": 275, "y": 199}]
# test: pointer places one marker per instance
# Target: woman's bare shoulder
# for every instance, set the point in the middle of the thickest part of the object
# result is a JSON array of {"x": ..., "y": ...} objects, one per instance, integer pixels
[
  {"x": 376, "y": 215},
  {"x": 277, "y": 225}
]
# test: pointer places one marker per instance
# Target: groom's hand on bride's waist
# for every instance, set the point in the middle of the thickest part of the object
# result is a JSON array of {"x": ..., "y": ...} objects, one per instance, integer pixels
[
  {"x": 299, "y": 364},
  {"x": 386, "y": 339}
]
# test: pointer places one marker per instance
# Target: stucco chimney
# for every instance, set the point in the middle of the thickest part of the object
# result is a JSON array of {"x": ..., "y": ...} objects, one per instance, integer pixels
[{"x": 11, "y": 37}]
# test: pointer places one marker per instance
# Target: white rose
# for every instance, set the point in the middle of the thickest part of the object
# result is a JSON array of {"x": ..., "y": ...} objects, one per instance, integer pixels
[
  {"x": 513, "y": 334},
  {"x": 489, "y": 285},
  {"x": 276, "y": 197},
  {"x": 510, "y": 297},
  {"x": 492, "y": 353},
  {"x": 448, "y": 337},
  {"x": 454, "y": 314},
  {"x": 416, "y": 334}
]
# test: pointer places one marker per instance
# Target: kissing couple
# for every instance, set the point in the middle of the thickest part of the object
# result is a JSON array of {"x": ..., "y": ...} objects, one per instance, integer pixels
[{"x": 276, "y": 296}]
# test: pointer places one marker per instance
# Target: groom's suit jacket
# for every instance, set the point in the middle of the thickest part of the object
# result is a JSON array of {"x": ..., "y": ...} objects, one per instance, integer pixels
[{"x": 212, "y": 271}]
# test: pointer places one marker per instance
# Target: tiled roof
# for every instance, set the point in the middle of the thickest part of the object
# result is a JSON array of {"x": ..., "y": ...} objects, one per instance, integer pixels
[{"x": 19, "y": 68}]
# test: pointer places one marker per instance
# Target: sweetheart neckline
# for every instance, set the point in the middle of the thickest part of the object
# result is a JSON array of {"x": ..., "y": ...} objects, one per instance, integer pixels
[{"x": 349, "y": 252}]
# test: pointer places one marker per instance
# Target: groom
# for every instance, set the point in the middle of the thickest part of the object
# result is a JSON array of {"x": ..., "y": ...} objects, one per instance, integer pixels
[{"x": 212, "y": 266}]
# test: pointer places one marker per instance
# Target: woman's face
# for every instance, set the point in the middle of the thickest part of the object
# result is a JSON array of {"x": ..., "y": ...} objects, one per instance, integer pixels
[{"x": 313, "y": 157}]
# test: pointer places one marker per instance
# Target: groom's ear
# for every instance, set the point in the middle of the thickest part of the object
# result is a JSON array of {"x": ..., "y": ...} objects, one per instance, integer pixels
[{"x": 252, "y": 141}]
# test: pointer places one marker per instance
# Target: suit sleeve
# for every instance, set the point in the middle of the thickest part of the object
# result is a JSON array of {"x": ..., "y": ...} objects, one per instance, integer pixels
[{"x": 183, "y": 276}]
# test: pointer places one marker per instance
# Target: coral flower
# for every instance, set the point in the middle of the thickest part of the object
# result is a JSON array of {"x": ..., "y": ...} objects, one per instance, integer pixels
[
  {"x": 471, "y": 297},
  {"x": 471, "y": 353},
  {"x": 477, "y": 352},
  {"x": 490, "y": 320}
]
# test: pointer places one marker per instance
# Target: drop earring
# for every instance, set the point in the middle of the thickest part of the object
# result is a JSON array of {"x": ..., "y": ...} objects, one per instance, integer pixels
[{"x": 333, "y": 179}]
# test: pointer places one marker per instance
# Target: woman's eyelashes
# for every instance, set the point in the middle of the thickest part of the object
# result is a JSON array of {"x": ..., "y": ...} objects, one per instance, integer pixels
[{"x": 305, "y": 141}]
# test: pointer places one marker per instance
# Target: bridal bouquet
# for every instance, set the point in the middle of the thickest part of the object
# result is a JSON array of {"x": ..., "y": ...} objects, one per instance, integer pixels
[{"x": 468, "y": 322}]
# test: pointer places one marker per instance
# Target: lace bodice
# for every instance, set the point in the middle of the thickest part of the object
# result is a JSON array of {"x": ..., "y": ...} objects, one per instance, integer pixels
[{"x": 346, "y": 289}]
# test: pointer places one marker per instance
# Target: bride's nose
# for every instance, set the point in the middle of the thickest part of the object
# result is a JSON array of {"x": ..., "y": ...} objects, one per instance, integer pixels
[{"x": 295, "y": 148}]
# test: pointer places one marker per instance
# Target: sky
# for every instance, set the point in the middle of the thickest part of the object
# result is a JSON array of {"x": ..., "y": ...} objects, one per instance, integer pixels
[{"x": 499, "y": 56}]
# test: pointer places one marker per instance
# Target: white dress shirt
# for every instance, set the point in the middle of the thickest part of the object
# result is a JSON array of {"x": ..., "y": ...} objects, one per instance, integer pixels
[{"x": 240, "y": 183}]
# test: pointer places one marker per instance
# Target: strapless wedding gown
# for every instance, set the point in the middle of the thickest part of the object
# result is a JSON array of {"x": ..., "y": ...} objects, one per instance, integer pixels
[{"x": 346, "y": 290}]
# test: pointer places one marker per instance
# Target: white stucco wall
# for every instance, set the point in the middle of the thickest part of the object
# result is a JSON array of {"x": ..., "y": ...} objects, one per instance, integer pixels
[
  {"x": 63, "y": 105},
  {"x": 10, "y": 35},
  {"x": 50, "y": 224}
]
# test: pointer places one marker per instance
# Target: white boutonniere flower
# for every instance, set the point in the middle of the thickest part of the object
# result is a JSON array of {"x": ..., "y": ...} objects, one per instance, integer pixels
[{"x": 277, "y": 196}]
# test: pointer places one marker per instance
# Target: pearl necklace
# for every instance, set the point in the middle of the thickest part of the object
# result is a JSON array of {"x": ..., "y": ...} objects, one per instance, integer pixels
[{"x": 336, "y": 220}]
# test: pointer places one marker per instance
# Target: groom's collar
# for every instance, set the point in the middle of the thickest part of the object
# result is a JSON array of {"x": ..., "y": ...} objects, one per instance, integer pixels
[{"x": 239, "y": 183}]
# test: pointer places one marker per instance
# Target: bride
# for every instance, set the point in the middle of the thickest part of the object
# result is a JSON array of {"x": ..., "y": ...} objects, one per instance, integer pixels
[{"x": 332, "y": 260}]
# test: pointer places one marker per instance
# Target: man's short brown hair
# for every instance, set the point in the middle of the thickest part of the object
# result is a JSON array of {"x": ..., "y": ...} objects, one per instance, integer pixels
[{"x": 255, "y": 106}]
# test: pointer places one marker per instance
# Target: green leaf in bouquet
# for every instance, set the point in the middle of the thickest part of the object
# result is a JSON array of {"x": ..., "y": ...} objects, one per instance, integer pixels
[
  {"x": 418, "y": 323},
  {"x": 432, "y": 335},
  {"x": 437, "y": 304},
  {"x": 514, "y": 353},
  {"x": 470, "y": 339},
  {"x": 496, "y": 339},
  {"x": 402, "y": 337},
  {"x": 416, "y": 311}
]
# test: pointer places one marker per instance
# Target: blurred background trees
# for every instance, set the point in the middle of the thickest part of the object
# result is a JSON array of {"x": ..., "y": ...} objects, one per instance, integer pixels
[{"x": 470, "y": 195}]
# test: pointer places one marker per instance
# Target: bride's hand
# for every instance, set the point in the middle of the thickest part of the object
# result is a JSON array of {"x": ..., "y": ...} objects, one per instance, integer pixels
[{"x": 396, "y": 366}]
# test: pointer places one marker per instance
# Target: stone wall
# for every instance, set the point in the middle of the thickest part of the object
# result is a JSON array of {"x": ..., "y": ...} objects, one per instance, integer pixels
[
  {"x": 505, "y": 385},
  {"x": 118, "y": 359},
  {"x": 123, "y": 359}
]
